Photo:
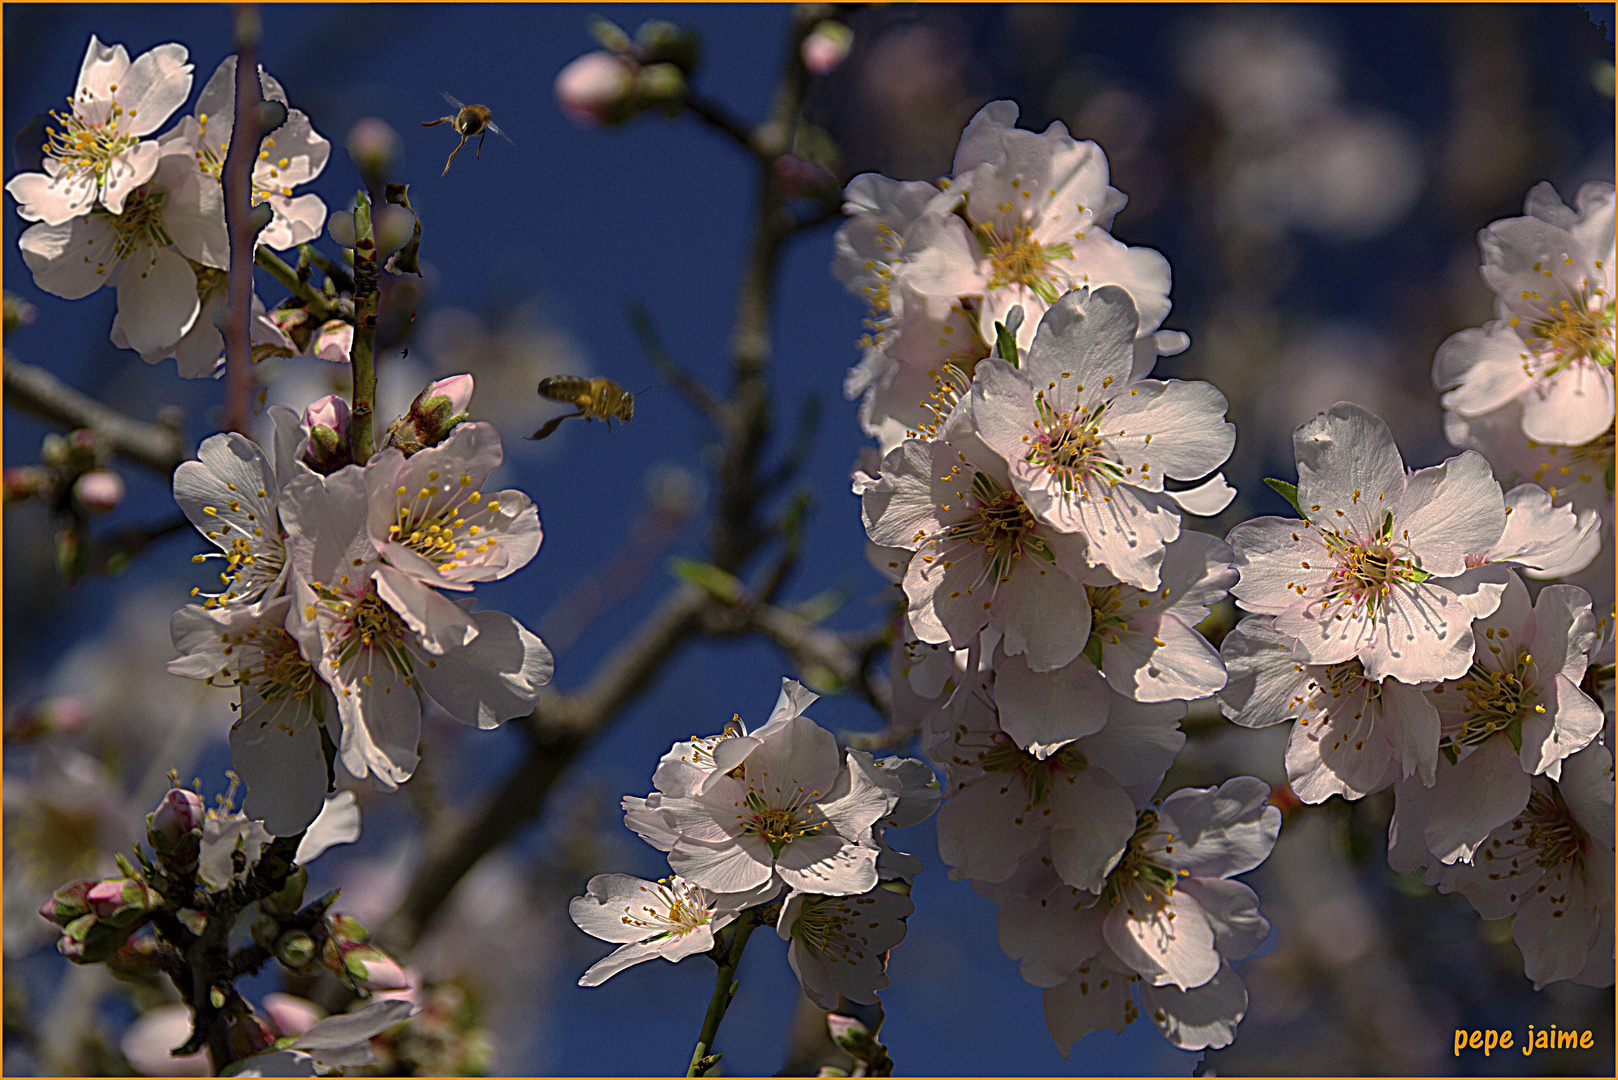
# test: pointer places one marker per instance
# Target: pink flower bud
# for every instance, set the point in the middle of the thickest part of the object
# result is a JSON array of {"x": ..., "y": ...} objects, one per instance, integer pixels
[
  {"x": 176, "y": 817},
  {"x": 333, "y": 342},
  {"x": 99, "y": 491},
  {"x": 458, "y": 388},
  {"x": 845, "y": 1030},
  {"x": 372, "y": 145},
  {"x": 826, "y": 47},
  {"x": 67, "y": 903},
  {"x": 291, "y": 1015},
  {"x": 330, "y": 411},
  {"x": 374, "y": 970},
  {"x": 595, "y": 89},
  {"x": 120, "y": 901}
]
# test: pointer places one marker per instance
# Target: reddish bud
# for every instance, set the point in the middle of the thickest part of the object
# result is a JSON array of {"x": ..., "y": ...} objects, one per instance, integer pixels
[
  {"x": 597, "y": 88},
  {"x": 826, "y": 47}
]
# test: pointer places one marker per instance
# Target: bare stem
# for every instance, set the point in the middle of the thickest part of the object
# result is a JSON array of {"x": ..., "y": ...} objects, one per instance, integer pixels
[
  {"x": 724, "y": 988},
  {"x": 240, "y": 158},
  {"x": 34, "y": 390},
  {"x": 362, "y": 408},
  {"x": 311, "y": 297}
]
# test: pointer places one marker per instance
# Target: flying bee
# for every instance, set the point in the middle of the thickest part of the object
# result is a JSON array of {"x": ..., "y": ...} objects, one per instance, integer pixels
[
  {"x": 469, "y": 121},
  {"x": 592, "y": 397}
]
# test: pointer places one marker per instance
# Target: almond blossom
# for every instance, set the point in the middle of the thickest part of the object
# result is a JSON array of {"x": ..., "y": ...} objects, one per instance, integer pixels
[
  {"x": 1362, "y": 574},
  {"x": 291, "y": 155},
  {"x": 671, "y": 918},
  {"x": 167, "y": 225},
  {"x": 1551, "y": 868},
  {"x": 1552, "y": 347},
  {"x": 839, "y": 944},
  {"x": 99, "y": 156},
  {"x": 1087, "y": 446},
  {"x": 1516, "y": 714}
]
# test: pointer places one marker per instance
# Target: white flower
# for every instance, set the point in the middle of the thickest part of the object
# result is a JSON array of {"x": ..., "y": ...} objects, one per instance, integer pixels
[
  {"x": 914, "y": 792},
  {"x": 275, "y": 740},
  {"x": 1002, "y": 802},
  {"x": 1353, "y": 736},
  {"x": 1552, "y": 348},
  {"x": 1552, "y": 868},
  {"x": 292, "y": 154},
  {"x": 981, "y": 558},
  {"x": 383, "y": 634},
  {"x": 337, "y": 1042},
  {"x": 99, "y": 156},
  {"x": 1516, "y": 714},
  {"x": 231, "y": 494},
  {"x": 839, "y": 944},
  {"x": 430, "y": 520},
  {"x": 172, "y": 221},
  {"x": 200, "y": 352},
  {"x": 672, "y": 918},
  {"x": 1088, "y": 447},
  {"x": 1027, "y": 223},
  {"x": 790, "y": 807},
  {"x": 1545, "y": 540},
  {"x": 1359, "y": 577}
]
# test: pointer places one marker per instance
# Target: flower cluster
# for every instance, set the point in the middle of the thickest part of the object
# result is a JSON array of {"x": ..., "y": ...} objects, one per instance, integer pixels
[
  {"x": 116, "y": 205},
  {"x": 332, "y": 612},
  {"x": 744, "y": 814}
]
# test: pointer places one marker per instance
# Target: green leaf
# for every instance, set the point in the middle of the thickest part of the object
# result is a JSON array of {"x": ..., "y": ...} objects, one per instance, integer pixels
[
  {"x": 1092, "y": 650},
  {"x": 1005, "y": 344},
  {"x": 712, "y": 580},
  {"x": 1287, "y": 491}
]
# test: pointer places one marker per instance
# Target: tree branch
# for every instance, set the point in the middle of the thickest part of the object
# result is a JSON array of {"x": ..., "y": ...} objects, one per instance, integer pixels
[
  {"x": 240, "y": 159},
  {"x": 683, "y": 381},
  {"x": 34, "y": 390}
]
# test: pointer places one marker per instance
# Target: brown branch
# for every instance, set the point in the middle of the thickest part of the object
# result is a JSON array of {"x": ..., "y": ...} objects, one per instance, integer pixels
[
  {"x": 240, "y": 159},
  {"x": 35, "y": 390}
]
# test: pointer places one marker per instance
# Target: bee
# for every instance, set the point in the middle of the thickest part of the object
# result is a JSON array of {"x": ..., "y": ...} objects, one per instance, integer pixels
[
  {"x": 469, "y": 121},
  {"x": 592, "y": 397}
]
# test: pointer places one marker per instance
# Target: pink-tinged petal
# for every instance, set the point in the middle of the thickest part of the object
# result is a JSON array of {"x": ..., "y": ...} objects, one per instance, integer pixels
[
  {"x": 54, "y": 200},
  {"x": 1003, "y": 408},
  {"x": 1422, "y": 634},
  {"x": 1232, "y": 911},
  {"x": 1586, "y": 784},
  {"x": 1203, "y": 1018},
  {"x": 495, "y": 678},
  {"x": 129, "y": 171},
  {"x": 1042, "y": 712},
  {"x": 1546, "y": 541},
  {"x": 1100, "y": 260},
  {"x": 1412, "y": 728},
  {"x": 983, "y": 829},
  {"x": 195, "y": 218},
  {"x": 1516, "y": 251},
  {"x": 941, "y": 260},
  {"x": 800, "y": 753},
  {"x": 72, "y": 259},
  {"x": 102, "y": 66},
  {"x": 156, "y": 84},
  {"x": 1159, "y": 658},
  {"x": 1560, "y": 922},
  {"x": 1324, "y": 632},
  {"x": 1482, "y": 369},
  {"x": 275, "y": 748},
  {"x": 157, "y": 298},
  {"x": 438, "y": 622},
  {"x": 1220, "y": 832},
  {"x": 1043, "y": 613},
  {"x": 1407, "y": 840},
  {"x": 1349, "y": 469},
  {"x": 1477, "y": 590},
  {"x": 608, "y": 898},
  {"x": 297, "y": 221},
  {"x": 1178, "y": 951},
  {"x": 723, "y": 867},
  {"x": 1092, "y": 998},
  {"x": 1052, "y": 934},
  {"x": 626, "y": 956},
  {"x": 1085, "y": 339},
  {"x": 1472, "y": 799},
  {"x": 1270, "y": 553},
  {"x": 1185, "y": 422},
  {"x": 983, "y": 140},
  {"x": 325, "y": 519},
  {"x": 1568, "y": 724},
  {"x": 1206, "y": 499},
  {"x": 1126, "y": 527},
  {"x": 1450, "y": 511},
  {"x": 827, "y": 865},
  {"x": 1566, "y": 630},
  {"x": 949, "y": 592},
  {"x": 1092, "y": 819},
  {"x": 1341, "y": 753},
  {"x": 1138, "y": 744},
  {"x": 1265, "y": 683},
  {"x": 381, "y": 718}
]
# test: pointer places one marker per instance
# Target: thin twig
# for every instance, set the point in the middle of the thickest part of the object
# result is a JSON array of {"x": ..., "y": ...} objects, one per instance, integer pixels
[
  {"x": 318, "y": 305},
  {"x": 720, "y": 119},
  {"x": 640, "y": 320},
  {"x": 724, "y": 989},
  {"x": 35, "y": 390}
]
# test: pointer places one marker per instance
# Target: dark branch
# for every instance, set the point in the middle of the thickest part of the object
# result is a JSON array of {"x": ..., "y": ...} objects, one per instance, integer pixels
[{"x": 34, "y": 390}]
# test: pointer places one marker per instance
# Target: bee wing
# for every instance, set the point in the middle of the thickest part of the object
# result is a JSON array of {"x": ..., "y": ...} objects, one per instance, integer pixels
[
  {"x": 449, "y": 97},
  {"x": 494, "y": 127}
]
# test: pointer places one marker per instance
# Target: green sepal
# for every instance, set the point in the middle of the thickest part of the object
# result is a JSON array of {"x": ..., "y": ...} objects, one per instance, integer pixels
[
  {"x": 712, "y": 580},
  {"x": 1092, "y": 650},
  {"x": 1514, "y": 733},
  {"x": 1005, "y": 345},
  {"x": 1287, "y": 491}
]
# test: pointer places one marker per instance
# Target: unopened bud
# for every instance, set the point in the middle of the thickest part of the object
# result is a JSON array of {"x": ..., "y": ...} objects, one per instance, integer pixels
[
  {"x": 18, "y": 312},
  {"x": 122, "y": 902},
  {"x": 803, "y": 178},
  {"x": 433, "y": 414},
  {"x": 660, "y": 41},
  {"x": 340, "y": 226},
  {"x": 826, "y": 46},
  {"x": 24, "y": 482},
  {"x": 176, "y": 818},
  {"x": 846, "y": 1031},
  {"x": 597, "y": 88},
  {"x": 372, "y": 146},
  {"x": 53, "y": 716},
  {"x": 661, "y": 84},
  {"x": 295, "y": 949},
  {"x": 67, "y": 903},
  {"x": 137, "y": 959},
  {"x": 394, "y": 226},
  {"x": 266, "y": 930},
  {"x": 289, "y": 897},
  {"x": 290, "y": 1014},
  {"x": 99, "y": 491},
  {"x": 88, "y": 940},
  {"x": 374, "y": 970},
  {"x": 334, "y": 342}
]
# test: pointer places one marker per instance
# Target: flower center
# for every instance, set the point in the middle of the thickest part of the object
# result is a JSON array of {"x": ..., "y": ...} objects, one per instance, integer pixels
[
  {"x": 252, "y": 562},
  {"x": 1038, "y": 776},
  {"x": 685, "y": 908},
  {"x": 365, "y": 622},
  {"x": 445, "y": 524},
  {"x": 141, "y": 223},
  {"x": 1496, "y": 701},
  {"x": 1069, "y": 444},
  {"x": 85, "y": 146},
  {"x": 1019, "y": 259},
  {"x": 1002, "y": 525},
  {"x": 780, "y": 825},
  {"x": 281, "y": 671},
  {"x": 1572, "y": 331},
  {"x": 822, "y": 925},
  {"x": 1367, "y": 570},
  {"x": 1136, "y": 867},
  {"x": 1552, "y": 832}
]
